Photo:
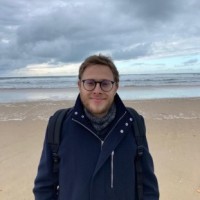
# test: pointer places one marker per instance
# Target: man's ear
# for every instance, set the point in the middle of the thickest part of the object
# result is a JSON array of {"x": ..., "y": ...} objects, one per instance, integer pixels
[
  {"x": 79, "y": 84},
  {"x": 117, "y": 86}
]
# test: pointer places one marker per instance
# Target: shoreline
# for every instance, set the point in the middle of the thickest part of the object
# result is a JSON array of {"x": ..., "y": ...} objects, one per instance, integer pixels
[
  {"x": 43, "y": 109},
  {"x": 172, "y": 130}
]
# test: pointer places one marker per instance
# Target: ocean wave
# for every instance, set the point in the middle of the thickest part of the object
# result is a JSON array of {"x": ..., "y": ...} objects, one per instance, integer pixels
[{"x": 126, "y": 80}]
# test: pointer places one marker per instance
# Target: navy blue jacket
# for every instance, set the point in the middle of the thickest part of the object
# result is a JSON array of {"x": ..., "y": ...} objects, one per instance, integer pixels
[{"x": 92, "y": 169}]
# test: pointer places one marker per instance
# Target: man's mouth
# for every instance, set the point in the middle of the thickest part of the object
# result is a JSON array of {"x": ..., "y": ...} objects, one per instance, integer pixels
[{"x": 96, "y": 99}]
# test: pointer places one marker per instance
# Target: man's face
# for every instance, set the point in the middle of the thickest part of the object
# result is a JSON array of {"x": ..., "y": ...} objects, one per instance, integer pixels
[{"x": 97, "y": 101}]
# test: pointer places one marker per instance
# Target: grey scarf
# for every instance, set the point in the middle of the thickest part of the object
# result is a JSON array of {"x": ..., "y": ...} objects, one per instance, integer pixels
[{"x": 101, "y": 123}]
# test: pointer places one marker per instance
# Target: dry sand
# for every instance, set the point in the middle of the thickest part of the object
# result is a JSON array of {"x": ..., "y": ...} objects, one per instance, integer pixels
[{"x": 173, "y": 131}]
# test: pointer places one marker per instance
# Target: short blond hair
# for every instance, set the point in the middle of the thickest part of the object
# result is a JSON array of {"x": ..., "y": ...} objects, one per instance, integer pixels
[{"x": 99, "y": 60}]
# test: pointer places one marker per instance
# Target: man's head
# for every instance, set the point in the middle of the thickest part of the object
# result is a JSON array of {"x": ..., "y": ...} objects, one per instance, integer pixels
[
  {"x": 98, "y": 84},
  {"x": 99, "y": 60}
]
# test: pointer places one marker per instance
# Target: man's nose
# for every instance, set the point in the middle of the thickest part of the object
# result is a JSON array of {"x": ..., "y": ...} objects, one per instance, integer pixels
[{"x": 97, "y": 88}]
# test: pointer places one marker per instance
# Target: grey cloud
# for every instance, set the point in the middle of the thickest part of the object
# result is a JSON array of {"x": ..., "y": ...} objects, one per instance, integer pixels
[
  {"x": 133, "y": 52},
  {"x": 151, "y": 11},
  {"x": 68, "y": 31},
  {"x": 191, "y": 61},
  {"x": 63, "y": 34},
  {"x": 68, "y": 35}
]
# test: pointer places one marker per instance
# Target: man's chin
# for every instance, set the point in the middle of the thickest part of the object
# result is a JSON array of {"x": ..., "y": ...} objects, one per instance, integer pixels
[{"x": 98, "y": 111}]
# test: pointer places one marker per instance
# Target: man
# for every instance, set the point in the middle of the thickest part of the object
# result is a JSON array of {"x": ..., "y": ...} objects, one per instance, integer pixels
[{"x": 98, "y": 148}]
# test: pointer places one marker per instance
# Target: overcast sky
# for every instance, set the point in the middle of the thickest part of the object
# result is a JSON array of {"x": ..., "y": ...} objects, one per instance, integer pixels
[{"x": 52, "y": 37}]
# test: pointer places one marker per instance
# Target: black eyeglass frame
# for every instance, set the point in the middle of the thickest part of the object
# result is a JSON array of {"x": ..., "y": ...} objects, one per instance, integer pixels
[{"x": 100, "y": 83}]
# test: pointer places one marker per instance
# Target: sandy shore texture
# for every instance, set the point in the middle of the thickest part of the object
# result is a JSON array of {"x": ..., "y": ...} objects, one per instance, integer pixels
[{"x": 173, "y": 131}]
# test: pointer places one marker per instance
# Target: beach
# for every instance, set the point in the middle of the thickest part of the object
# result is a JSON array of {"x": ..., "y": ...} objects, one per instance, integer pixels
[{"x": 173, "y": 132}]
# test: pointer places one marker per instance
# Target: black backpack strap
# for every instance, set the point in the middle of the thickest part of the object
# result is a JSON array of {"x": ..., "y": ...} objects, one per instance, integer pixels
[
  {"x": 139, "y": 131},
  {"x": 53, "y": 134}
]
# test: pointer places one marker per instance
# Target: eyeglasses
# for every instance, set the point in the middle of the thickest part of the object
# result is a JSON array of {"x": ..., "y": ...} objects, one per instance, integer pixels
[{"x": 105, "y": 85}]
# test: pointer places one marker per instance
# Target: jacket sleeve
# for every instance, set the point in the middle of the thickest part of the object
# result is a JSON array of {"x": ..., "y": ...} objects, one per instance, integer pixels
[
  {"x": 150, "y": 183},
  {"x": 46, "y": 182}
]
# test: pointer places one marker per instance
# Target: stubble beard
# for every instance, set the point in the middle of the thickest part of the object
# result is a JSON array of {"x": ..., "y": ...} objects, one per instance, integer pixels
[{"x": 97, "y": 110}]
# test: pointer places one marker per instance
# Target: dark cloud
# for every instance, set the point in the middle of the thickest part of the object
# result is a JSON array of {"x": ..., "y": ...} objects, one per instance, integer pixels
[
  {"x": 136, "y": 51},
  {"x": 191, "y": 62},
  {"x": 57, "y": 31},
  {"x": 151, "y": 11}
]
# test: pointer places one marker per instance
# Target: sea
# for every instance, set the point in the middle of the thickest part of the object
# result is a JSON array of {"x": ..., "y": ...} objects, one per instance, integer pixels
[{"x": 132, "y": 87}]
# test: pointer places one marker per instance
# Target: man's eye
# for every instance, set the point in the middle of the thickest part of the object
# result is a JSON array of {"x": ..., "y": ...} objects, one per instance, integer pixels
[
  {"x": 90, "y": 82},
  {"x": 105, "y": 83}
]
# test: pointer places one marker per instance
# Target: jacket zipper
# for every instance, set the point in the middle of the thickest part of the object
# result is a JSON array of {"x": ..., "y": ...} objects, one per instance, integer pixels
[
  {"x": 102, "y": 144},
  {"x": 112, "y": 169}
]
